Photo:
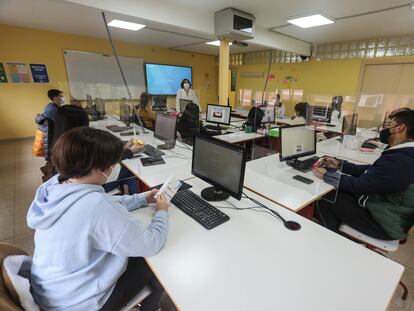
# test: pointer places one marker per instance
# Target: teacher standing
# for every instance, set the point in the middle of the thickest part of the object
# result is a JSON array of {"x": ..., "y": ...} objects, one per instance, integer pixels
[{"x": 185, "y": 92}]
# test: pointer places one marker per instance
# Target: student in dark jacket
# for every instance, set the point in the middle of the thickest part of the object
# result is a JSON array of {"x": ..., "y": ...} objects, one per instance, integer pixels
[
  {"x": 254, "y": 118},
  {"x": 377, "y": 199},
  {"x": 189, "y": 123}
]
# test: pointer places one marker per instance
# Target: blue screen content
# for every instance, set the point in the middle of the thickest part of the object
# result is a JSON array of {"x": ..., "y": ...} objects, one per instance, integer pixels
[{"x": 165, "y": 79}]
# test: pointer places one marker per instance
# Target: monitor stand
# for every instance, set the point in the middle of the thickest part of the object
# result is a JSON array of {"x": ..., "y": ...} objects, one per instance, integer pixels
[
  {"x": 214, "y": 194},
  {"x": 165, "y": 147},
  {"x": 341, "y": 138}
]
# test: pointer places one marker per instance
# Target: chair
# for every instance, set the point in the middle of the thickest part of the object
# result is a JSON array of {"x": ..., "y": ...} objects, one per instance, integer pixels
[
  {"x": 376, "y": 245},
  {"x": 9, "y": 296}
]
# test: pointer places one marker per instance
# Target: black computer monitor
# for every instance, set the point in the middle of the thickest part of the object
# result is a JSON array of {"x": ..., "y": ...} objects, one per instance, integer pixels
[
  {"x": 89, "y": 101},
  {"x": 100, "y": 106},
  {"x": 165, "y": 130},
  {"x": 160, "y": 103},
  {"x": 183, "y": 104},
  {"x": 297, "y": 141},
  {"x": 220, "y": 164},
  {"x": 349, "y": 124},
  {"x": 125, "y": 113},
  {"x": 218, "y": 114},
  {"x": 322, "y": 113},
  {"x": 269, "y": 114}
]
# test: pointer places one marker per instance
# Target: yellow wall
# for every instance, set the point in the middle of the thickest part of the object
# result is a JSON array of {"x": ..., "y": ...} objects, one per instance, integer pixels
[
  {"x": 336, "y": 77},
  {"x": 19, "y": 103}
]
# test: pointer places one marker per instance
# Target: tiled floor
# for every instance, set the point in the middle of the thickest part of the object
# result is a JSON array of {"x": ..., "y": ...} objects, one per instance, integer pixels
[{"x": 20, "y": 176}]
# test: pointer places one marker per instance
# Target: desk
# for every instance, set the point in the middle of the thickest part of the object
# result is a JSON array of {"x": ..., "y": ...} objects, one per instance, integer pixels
[
  {"x": 325, "y": 128},
  {"x": 335, "y": 148},
  {"x": 177, "y": 160},
  {"x": 287, "y": 121},
  {"x": 252, "y": 263},
  {"x": 238, "y": 137},
  {"x": 273, "y": 180}
]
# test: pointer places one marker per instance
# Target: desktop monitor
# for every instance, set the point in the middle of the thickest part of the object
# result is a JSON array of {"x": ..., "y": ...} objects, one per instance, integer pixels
[
  {"x": 322, "y": 113},
  {"x": 220, "y": 164},
  {"x": 100, "y": 106},
  {"x": 269, "y": 114},
  {"x": 297, "y": 141},
  {"x": 89, "y": 101},
  {"x": 183, "y": 104},
  {"x": 125, "y": 113},
  {"x": 165, "y": 130},
  {"x": 160, "y": 103},
  {"x": 218, "y": 114},
  {"x": 349, "y": 124}
]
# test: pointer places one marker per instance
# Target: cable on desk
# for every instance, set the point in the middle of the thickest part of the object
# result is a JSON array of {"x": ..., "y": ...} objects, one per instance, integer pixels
[{"x": 289, "y": 224}]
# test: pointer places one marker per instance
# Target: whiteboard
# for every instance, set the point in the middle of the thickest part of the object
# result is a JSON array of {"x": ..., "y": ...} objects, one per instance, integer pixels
[{"x": 98, "y": 75}]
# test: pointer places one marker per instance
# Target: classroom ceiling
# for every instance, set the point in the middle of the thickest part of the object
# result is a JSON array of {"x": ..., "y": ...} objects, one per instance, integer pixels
[
  {"x": 187, "y": 24},
  {"x": 61, "y": 16}
]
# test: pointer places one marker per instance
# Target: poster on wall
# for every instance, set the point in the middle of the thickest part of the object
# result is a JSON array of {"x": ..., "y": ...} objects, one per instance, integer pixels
[
  {"x": 19, "y": 72},
  {"x": 39, "y": 73},
  {"x": 3, "y": 77}
]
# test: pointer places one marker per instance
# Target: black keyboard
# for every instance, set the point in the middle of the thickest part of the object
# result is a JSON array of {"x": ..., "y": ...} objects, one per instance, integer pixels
[
  {"x": 215, "y": 127},
  {"x": 303, "y": 165},
  {"x": 152, "y": 152},
  {"x": 204, "y": 213}
]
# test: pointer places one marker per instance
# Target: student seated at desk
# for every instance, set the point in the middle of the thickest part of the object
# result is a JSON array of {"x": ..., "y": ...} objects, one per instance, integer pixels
[
  {"x": 280, "y": 107},
  {"x": 300, "y": 114},
  {"x": 377, "y": 199},
  {"x": 189, "y": 124},
  {"x": 69, "y": 117},
  {"x": 88, "y": 248},
  {"x": 337, "y": 115},
  {"x": 254, "y": 118},
  {"x": 144, "y": 111}
]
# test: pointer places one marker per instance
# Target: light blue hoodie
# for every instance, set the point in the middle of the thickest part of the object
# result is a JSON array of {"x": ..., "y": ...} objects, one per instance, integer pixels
[{"x": 82, "y": 243}]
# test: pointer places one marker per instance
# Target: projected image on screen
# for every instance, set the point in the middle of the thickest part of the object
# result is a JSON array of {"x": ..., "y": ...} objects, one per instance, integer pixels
[{"x": 166, "y": 79}]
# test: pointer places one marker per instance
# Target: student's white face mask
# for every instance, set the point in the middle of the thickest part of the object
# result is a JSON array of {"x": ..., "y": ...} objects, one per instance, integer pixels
[
  {"x": 186, "y": 86},
  {"x": 62, "y": 100},
  {"x": 106, "y": 176}
]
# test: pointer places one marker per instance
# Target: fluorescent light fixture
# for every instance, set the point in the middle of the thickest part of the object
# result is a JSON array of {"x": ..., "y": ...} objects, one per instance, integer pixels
[
  {"x": 125, "y": 25},
  {"x": 310, "y": 21},
  {"x": 216, "y": 43}
]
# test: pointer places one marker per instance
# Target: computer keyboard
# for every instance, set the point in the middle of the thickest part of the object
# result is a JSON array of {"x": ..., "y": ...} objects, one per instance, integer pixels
[
  {"x": 303, "y": 165},
  {"x": 117, "y": 128},
  {"x": 215, "y": 127},
  {"x": 152, "y": 152},
  {"x": 204, "y": 213}
]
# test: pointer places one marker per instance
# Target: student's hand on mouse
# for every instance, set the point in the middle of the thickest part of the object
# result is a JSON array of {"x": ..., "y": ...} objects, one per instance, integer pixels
[
  {"x": 319, "y": 172},
  {"x": 162, "y": 203},
  {"x": 150, "y": 196},
  {"x": 330, "y": 162}
]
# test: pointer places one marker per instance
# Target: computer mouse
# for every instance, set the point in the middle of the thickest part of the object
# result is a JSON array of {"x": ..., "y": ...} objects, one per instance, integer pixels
[{"x": 368, "y": 145}]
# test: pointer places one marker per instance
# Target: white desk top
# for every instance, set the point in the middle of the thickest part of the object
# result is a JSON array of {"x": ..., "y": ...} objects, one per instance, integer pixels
[
  {"x": 238, "y": 137},
  {"x": 252, "y": 262},
  {"x": 325, "y": 128},
  {"x": 273, "y": 180},
  {"x": 287, "y": 121},
  {"x": 335, "y": 148},
  {"x": 177, "y": 160}
]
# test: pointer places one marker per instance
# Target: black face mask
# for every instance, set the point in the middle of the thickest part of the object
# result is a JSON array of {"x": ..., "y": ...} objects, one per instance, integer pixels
[{"x": 385, "y": 135}]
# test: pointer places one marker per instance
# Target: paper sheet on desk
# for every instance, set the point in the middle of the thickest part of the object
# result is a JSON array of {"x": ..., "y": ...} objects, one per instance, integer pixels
[{"x": 169, "y": 187}]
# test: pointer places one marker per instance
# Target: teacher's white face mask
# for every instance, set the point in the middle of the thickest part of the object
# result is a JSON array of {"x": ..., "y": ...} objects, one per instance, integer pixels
[{"x": 186, "y": 86}]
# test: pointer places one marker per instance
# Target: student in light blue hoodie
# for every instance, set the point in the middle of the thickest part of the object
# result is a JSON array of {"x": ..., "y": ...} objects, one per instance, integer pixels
[{"x": 88, "y": 247}]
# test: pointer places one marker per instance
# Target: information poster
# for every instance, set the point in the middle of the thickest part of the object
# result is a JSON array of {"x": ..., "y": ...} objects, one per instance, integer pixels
[
  {"x": 39, "y": 73},
  {"x": 19, "y": 72},
  {"x": 3, "y": 77}
]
